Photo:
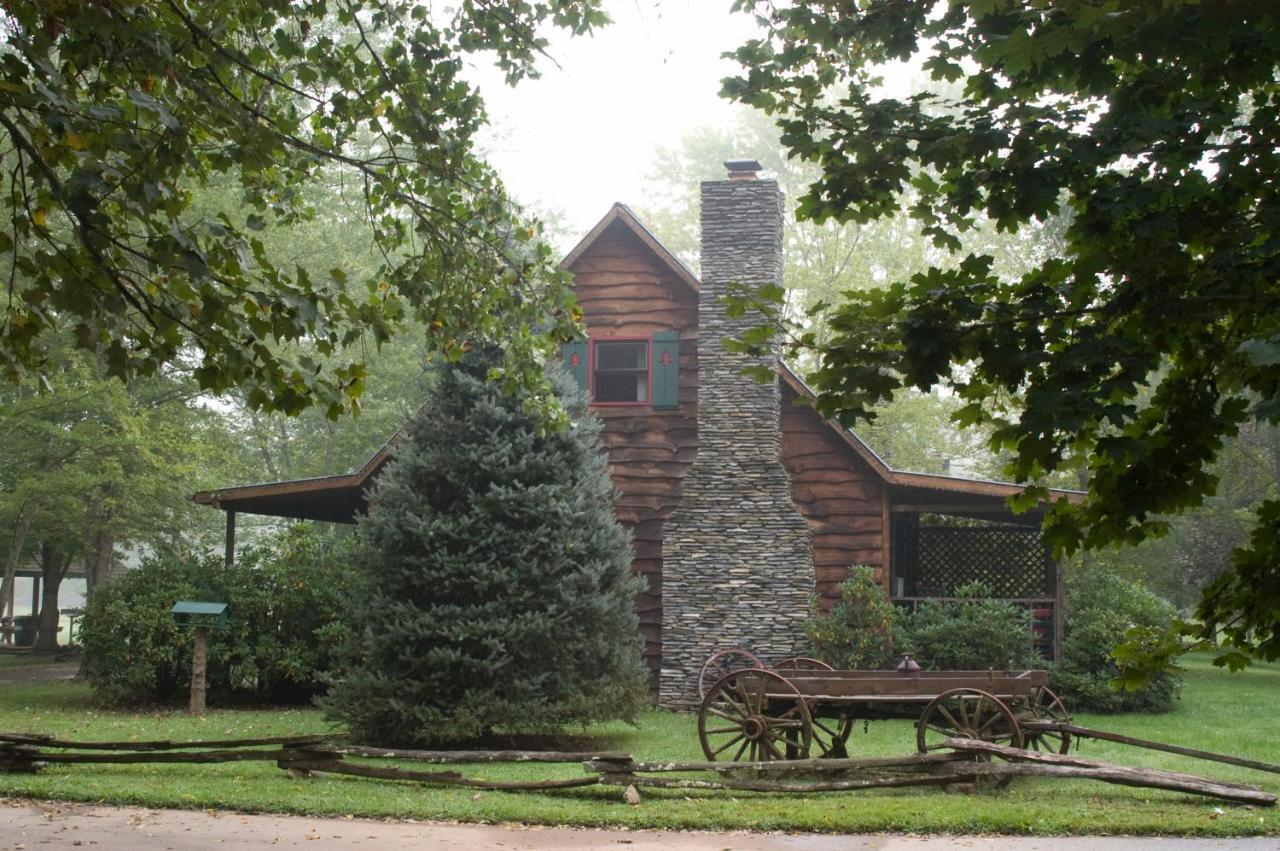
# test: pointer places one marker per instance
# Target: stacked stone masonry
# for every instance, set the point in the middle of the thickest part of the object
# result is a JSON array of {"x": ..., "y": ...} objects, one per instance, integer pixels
[{"x": 737, "y": 554}]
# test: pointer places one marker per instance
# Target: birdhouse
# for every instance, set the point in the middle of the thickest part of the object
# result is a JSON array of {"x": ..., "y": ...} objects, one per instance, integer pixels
[{"x": 194, "y": 613}]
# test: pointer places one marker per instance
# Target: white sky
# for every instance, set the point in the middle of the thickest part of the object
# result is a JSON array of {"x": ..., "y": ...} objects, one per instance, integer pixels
[{"x": 582, "y": 136}]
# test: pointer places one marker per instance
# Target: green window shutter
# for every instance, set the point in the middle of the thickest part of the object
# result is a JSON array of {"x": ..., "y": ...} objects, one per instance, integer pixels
[
  {"x": 666, "y": 369},
  {"x": 574, "y": 357}
]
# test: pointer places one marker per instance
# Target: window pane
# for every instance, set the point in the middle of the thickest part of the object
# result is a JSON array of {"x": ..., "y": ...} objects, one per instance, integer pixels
[
  {"x": 621, "y": 371},
  {"x": 631, "y": 355},
  {"x": 622, "y": 387}
]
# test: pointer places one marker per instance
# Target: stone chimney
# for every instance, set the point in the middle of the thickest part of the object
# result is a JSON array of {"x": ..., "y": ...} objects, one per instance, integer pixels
[{"x": 737, "y": 554}]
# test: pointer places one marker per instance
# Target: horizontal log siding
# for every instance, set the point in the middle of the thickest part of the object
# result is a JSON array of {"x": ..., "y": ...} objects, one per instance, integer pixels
[
  {"x": 625, "y": 291},
  {"x": 840, "y": 496}
]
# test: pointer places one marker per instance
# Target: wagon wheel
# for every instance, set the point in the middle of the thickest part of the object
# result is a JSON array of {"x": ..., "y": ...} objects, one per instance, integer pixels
[
  {"x": 801, "y": 663},
  {"x": 723, "y": 662},
  {"x": 1044, "y": 705},
  {"x": 967, "y": 713},
  {"x": 754, "y": 716},
  {"x": 830, "y": 735}
]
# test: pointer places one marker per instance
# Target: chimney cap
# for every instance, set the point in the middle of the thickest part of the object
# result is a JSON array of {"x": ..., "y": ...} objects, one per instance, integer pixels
[{"x": 742, "y": 169}]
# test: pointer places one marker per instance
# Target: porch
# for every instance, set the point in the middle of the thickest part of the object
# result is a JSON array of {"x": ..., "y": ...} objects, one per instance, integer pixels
[{"x": 938, "y": 546}]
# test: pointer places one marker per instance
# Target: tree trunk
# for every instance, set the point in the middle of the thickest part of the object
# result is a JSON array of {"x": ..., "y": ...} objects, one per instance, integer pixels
[
  {"x": 19, "y": 540},
  {"x": 99, "y": 556},
  {"x": 53, "y": 567},
  {"x": 263, "y": 438}
]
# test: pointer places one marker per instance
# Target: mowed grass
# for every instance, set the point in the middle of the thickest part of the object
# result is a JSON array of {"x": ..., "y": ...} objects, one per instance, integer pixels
[
  {"x": 1235, "y": 713},
  {"x": 14, "y": 660}
]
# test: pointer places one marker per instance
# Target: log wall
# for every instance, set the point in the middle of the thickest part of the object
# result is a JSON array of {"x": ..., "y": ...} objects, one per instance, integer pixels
[
  {"x": 843, "y": 499},
  {"x": 624, "y": 290}
]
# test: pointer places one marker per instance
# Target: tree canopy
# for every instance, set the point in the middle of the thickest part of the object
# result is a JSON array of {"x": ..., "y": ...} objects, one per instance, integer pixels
[
  {"x": 1133, "y": 355},
  {"x": 115, "y": 114}
]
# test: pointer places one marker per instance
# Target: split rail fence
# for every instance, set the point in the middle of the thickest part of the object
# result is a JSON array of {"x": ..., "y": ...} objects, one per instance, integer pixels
[{"x": 964, "y": 761}]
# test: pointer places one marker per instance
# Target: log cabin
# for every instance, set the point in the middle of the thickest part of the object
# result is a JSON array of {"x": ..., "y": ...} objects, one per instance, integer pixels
[{"x": 745, "y": 505}]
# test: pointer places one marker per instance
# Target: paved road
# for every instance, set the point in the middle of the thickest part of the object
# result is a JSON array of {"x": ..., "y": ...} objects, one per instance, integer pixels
[{"x": 28, "y": 826}]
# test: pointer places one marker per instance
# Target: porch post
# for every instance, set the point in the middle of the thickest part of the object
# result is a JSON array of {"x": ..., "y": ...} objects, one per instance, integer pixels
[
  {"x": 886, "y": 543},
  {"x": 229, "y": 558},
  {"x": 1059, "y": 608}
]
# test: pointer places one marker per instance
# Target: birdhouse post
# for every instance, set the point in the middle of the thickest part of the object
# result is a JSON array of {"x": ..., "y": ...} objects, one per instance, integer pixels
[{"x": 200, "y": 617}]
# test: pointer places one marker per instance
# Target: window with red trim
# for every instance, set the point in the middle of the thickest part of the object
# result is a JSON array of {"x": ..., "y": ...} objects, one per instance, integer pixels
[{"x": 620, "y": 371}]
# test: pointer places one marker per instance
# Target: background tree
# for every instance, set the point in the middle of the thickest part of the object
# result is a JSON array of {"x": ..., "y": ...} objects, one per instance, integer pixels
[
  {"x": 1135, "y": 355},
  {"x": 113, "y": 117},
  {"x": 496, "y": 592},
  {"x": 89, "y": 462},
  {"x": 1198, "y": 547}
]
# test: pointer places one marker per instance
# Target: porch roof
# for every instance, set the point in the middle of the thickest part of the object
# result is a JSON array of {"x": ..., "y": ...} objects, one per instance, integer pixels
[{"x": 335, "y": 499}]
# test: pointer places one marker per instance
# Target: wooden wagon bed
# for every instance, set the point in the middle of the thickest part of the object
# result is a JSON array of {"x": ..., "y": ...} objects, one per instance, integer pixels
[{"x": 802, "y": 706}]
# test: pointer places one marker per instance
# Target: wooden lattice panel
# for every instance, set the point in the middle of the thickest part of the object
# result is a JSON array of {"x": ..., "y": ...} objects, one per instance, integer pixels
[{"x": 1011, "y": 560}]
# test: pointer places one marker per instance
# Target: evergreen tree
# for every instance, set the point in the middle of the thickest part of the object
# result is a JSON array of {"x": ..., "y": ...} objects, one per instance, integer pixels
[{"x": 496, "y": 592}]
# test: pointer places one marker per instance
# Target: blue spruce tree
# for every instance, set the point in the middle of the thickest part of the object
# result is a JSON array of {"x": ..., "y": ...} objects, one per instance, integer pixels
[{"x": 496, "y": 595}]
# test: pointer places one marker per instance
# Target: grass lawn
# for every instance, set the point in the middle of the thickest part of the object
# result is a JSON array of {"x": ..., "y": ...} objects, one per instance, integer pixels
[
  {"x": 16, "y": 660},
  {"x": 1234, "y": 713}
]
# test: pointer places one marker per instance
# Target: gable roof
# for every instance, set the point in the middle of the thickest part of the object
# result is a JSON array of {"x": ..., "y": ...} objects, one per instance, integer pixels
[
  {"x": 622, "y": 214},
  {"x": 339, "y": 498}
]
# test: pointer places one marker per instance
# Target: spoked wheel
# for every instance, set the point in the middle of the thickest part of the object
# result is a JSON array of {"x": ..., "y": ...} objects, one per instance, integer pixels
[
  {"x": 966, "y": 713},
  {"x": 722, "y": 663},
  {"x": 830, "y": 736},
  {"x": 801, "y": 663},
  {"x": 754, "y": 716},
  {"x": 1044, "y": 705}
]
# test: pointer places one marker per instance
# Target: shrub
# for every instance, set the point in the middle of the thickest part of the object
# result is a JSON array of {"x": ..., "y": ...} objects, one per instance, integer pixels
[
  {"x": 134, "y": 653},
  {"x": 497, "y": 594},
  {"x": 857, "y": 634},
  {"x": 1101, "y": 608},
  {"x": 284, "y": 597},
  {"x": 286, "y": 602},
  {"x": 973, "y": 632}
]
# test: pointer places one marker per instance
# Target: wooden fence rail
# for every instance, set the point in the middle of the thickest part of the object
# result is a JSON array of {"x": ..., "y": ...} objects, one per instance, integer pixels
[
  {"x": 159, "y": 745},
  {"x": 1037, "y": 764}
]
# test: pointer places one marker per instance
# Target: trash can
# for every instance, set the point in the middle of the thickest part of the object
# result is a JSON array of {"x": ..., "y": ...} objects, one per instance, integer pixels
[{"x": 24, "y": 630}]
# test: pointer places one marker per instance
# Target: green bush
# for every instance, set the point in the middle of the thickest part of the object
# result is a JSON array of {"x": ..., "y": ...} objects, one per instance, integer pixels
[
  {"x": 498, "y": 596},
  {"x": 134, "y": 653},
  {"x": 971, "y": 633},
  {"x": 857, "y": 634},
  {"x": 285, "y": 599},
  {"x": 1101, "y": 609}
]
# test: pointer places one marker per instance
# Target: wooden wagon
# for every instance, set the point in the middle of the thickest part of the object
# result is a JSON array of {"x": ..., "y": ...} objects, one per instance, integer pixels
[{"x": 802, "y": 707}]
